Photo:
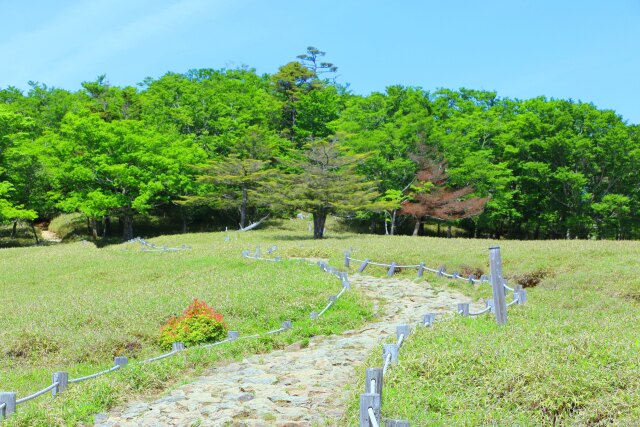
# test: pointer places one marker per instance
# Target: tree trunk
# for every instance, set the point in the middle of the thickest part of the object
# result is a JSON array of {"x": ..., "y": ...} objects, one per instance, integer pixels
[
  {"x": 14, "y": 230},
  {"x": 416, "y": 228},
  {"x": 243, "y": 208},
  {"x": 94, "y": 228},
  {"x": 35, "y": 235},
  {"x": 438, "y": 232},
  {"x": 386, "y": 226},
  {"x": 127, "y": 226},
  {"x": 448, "y": 231},
  {"x": 319, "y": 219},
  {"x": 393, "y": 222},
  {"x": 106, "y": 231}
]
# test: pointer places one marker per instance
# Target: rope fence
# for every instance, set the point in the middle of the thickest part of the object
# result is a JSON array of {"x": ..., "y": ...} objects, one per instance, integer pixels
[
  {"x": 150, "y": 247},
  {"x": 257, "y": 254},
  {"x": 421, "y": 268},
  {"x": 60, "y": 380},
  {"x": 371, "y": 399}
]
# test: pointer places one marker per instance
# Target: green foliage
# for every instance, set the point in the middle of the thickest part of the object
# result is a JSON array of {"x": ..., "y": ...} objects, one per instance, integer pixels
[
  {"x": 198, "y": 324},
  {"x": 328, "y": 182},
  {"x": 551, "y": 168}
]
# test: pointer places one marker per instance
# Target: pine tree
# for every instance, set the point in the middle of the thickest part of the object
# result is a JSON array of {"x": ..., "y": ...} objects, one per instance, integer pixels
[{"x": 328, "y": 183}]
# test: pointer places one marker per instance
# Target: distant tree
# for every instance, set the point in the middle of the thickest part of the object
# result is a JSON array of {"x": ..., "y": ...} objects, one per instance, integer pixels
[
  {"x": 309, "y": 103},
  {"x": 118, "y": 168},
  {"x": 327, "y": 182},
  {"x": 237, "y": 183},
  {"x": 14, "y": 130},
  {"x": 432, "y": 198}
]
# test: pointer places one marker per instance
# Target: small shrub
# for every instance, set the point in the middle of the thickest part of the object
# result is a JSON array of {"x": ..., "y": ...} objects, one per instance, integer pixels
[
  {"x": 467, "y": 270},
  {"x": 531, "y": 278},
  {"x": 197, "y": 325}
]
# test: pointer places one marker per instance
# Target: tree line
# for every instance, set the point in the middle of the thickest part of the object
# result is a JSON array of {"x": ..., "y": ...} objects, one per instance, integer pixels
[{"x": 235, "y": 145}]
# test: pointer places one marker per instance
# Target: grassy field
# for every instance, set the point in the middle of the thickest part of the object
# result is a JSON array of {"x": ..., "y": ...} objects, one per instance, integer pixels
[
  {"x": 570, "y": 356},
  {"x": 74, "y": 307}
]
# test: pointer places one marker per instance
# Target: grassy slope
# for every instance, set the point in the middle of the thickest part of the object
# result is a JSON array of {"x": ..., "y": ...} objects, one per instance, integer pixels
[
  {"x": 571, "y": 356},
  {"x": 73, "y": 307}
]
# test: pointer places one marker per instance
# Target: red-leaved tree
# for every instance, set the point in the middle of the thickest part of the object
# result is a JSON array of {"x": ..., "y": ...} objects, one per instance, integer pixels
[{"x": 431, "y": 198}]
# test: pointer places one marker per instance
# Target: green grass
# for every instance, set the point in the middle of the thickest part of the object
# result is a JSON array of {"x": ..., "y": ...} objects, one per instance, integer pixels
[
  {"x": 74, "y": 307},
  {"x": 570, "y": 356}
]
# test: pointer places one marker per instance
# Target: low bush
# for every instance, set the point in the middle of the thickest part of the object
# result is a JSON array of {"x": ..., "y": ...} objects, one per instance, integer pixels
[{"x": 198, "y": 324}]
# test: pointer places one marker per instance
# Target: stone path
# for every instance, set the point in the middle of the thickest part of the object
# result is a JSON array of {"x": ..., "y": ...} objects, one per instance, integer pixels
[{"x": 291, "y": 387}]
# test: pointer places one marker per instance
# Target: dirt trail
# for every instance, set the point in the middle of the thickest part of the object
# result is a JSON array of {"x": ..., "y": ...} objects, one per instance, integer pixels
[
  {"x": 50, "y": 236},
  {"x": 291, "y": 387}
]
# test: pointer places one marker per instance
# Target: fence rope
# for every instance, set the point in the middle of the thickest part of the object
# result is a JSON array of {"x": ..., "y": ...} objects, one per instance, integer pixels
[
  {"x": 37, "y": 393},
  {"x": 156, "y": 248},
  {"x": 372, "y": 418},
  {"x": 483, "y": 311},
  {"x": 97, "y": 374},
  {"x": 440, "y": 272},
  {"x": 387, "y": 360}
]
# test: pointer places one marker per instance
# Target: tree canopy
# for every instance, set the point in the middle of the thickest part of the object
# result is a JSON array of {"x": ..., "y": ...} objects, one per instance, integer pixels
[{"x": 232, "y": 145}]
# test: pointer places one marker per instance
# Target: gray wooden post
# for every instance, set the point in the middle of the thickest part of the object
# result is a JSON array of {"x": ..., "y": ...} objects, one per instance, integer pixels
[
  {"x": 333, "y": 298},
  {"x": 440, "y": 271},
  {"x": 517, "y": 288},
  {"x": 489, "y": 303},
  {"x": 120, "y": 361},
  {"x": 403, "y": 330},
  {"x": 375, "y": 374},
  {"x": 245, "y": 254},
  {"x": 233, "y": 335},
  {"x": 314, "y": 315},
  {"x": 396, "y": 423},
  {"x": 363, "y": 265},
  {"x": 62, "y": 378},
  {"x": 177, "y": 346},
  {"x": 347, "y": 255},
  {"x": 390, "y": 349},
  {"x": 392, "y": 269},
  {"x": 257, "y": 251},
  {"x": 368, "y": 400},
  {"x": 286, "y": 325},
  {"x": 9, "y": 400},
  {"x": 522, "y": 296},
  {"x": 420, "y": 269},
  {"x": 500, "y": 303},
  {"x": 471, "y": 278},
  {"x": 456, "y": 275},
  {"x": 463, "y": 308},
  {"x": 345, "y": 281},
  {"x": 428, "y": 319}
]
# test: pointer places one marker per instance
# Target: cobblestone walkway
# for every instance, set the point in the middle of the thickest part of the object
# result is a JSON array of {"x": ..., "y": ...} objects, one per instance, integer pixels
[{"x": 291, "y": 387}]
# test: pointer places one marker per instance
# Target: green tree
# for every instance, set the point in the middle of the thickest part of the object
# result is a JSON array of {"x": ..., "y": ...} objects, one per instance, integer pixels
[
  {"x": 118, "y": 168},
  {"x": 327, "y": 182}
]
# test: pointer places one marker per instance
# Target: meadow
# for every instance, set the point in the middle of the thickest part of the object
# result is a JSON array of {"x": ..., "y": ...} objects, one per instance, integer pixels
[{"x": 570, "y": 356}]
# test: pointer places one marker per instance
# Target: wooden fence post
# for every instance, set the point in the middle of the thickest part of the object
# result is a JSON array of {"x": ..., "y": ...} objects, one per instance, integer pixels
[
  {"x": 9, "y": 401},
  {"x": 497, "y": 284}
]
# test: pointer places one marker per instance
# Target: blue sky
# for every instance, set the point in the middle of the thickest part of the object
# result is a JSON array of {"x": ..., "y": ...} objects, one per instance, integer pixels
[{"x": 585, "y": 50}]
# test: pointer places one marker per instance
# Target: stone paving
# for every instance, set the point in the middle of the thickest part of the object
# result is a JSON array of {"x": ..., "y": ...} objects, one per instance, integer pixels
[{"x": 295, "y": 386}]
